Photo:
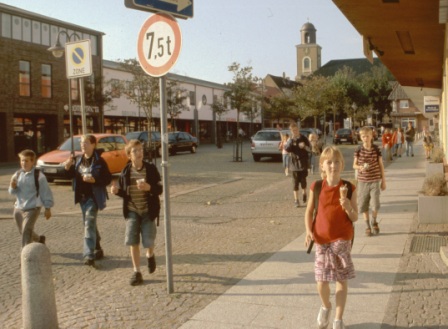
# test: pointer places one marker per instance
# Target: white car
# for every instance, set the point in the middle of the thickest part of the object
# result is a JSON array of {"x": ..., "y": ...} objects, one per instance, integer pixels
[{"x": 265, "y": 143}]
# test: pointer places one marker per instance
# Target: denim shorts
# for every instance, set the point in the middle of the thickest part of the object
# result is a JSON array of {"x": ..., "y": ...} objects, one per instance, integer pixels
[
  {"x": 368, "y": 192},
  {"x": 137, "y": 226}
]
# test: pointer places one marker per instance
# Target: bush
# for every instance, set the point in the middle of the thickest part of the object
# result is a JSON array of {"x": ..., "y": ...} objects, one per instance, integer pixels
[
  {"x": 435, "y": 185},
  {"x": 438, "y": 155}
]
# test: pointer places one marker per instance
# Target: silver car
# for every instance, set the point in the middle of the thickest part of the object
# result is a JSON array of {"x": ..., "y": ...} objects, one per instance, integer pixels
[{"x": 265, "y": 143}]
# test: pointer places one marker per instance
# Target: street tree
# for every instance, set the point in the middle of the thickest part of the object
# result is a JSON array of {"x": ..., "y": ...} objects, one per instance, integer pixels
[
  {"x": 241, "y": 89},
  {"x": 219, "y": 107},
  {"x": 142, "y": 90},
  {"x": 176, "y": 101}
]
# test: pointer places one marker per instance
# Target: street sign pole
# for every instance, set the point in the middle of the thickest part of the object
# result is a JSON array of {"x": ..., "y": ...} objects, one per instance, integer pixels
[{"x": 166, "y": 191}]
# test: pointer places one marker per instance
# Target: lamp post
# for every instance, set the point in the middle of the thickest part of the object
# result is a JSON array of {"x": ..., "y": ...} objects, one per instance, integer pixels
[{"x": 58, "y": 51}]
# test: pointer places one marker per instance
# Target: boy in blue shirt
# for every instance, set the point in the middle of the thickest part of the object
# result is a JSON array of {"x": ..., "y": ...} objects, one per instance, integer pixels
[{"x": 30, "y": 198}]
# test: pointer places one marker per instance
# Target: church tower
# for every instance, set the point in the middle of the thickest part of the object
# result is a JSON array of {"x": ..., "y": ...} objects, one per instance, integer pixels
[{"x": 308, "y": 52}]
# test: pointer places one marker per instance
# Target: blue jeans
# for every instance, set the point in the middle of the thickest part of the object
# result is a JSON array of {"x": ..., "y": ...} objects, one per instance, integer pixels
[
  {"x": 409, "y": 145},
  {"x": 89, "y": 212}
]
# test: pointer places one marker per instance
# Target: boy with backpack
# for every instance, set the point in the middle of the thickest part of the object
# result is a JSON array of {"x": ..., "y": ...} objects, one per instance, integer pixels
[
  {"x": 371, "y": 179},
  {"x": 30, "y": 187}
]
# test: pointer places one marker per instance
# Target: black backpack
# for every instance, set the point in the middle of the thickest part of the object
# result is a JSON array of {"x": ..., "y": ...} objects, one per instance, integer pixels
[
  {"x": 316, "y": 194},
  {"x": 36, "y": 179}
]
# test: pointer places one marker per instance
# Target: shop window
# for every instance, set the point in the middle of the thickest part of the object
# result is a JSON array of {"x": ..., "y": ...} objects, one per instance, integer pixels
[
  {"x": 24, "y": 79},
  {"x": 46, "y": 81}
]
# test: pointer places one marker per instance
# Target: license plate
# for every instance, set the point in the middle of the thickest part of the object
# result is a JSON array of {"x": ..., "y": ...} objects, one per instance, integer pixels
[
  {"x": 51, "y": 170},
  {"x": 343, "y": 139}
]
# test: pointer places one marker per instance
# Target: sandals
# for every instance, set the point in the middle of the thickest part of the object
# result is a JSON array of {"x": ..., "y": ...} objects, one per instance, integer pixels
[
  {"x": 376, "y": 229},
  {"x": 368, "y": 232}
]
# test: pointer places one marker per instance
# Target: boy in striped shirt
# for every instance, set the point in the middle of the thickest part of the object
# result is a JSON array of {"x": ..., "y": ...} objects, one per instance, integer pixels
[{"x": 371, "y": 179}]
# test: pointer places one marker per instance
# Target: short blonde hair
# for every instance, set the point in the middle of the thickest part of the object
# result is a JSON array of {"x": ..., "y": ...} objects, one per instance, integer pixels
[
  {"x": 27, "y": 154},
  {"x": 330, "y": 152},
  {"x": 364, "y": 130},
  {"x": 130, "y": 145}
]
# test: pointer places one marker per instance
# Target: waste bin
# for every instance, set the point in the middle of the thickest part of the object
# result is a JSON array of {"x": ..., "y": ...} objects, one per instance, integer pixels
[{"x": 238, "y": 150}]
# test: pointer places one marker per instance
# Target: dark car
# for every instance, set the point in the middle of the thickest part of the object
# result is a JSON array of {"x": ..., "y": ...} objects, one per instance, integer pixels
[
  {"x": 142, "y": 136},
  {"x": 180, "y": 141},
  {"x": 345, "y": 135}
]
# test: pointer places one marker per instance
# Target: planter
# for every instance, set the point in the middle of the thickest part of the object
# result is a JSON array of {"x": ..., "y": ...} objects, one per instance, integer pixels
[
  {"x": 433, "y": 168},
  {"x": 433, "y": 209}
]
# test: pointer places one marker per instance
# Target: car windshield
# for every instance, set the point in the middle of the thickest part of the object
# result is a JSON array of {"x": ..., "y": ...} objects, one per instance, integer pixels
[
  {"x": 267, "y": 136},
  {"x": 66, "y": 146}
]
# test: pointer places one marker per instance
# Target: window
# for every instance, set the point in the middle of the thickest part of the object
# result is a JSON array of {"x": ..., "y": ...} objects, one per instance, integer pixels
[
  {"x": 26, "y": 29},
  {"x": 6, "y": 26},
  {"x": 24, "y": 79},
  {"x": 16, "y": 28},
  {"x": 36, "y": 32},
  {"x": 404, "y": 104},
  {"x": 45, "y": 88},
  {"x": 192, "y": 98},
  {"x": 306, "y": 65},
  {"x": 45, "y": 34}
]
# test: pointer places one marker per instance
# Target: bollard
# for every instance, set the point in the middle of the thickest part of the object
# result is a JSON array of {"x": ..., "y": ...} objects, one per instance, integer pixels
[{"x": 38, "y": 299}]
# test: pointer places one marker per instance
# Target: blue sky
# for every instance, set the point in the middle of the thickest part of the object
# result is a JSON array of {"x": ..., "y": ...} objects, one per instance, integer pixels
[{"x": 258, "y": 33}]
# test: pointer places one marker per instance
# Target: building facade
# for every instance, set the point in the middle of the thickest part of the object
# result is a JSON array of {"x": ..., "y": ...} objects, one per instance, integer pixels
[{"x": 34, "y": 89}]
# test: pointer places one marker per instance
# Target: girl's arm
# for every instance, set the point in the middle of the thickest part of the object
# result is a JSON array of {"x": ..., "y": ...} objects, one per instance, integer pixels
[{"x": 309, "y": 219}]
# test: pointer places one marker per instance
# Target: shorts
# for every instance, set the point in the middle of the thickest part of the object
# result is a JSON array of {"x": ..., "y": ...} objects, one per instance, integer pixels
[
  {"x": 333, "y": 262},
  {"x": 137, "y": 225},
  {"x": 299, "y": 177},
  {"x": 368, "y": 192}
]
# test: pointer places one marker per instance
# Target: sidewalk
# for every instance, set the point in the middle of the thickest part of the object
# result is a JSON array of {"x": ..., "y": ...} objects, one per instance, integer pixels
[{"x": 281, "y": 293}]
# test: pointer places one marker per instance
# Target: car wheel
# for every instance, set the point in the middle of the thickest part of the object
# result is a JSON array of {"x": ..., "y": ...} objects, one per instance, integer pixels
[
  {"x": 256, "y": 157},
  {"x": 193, "y": 149}
]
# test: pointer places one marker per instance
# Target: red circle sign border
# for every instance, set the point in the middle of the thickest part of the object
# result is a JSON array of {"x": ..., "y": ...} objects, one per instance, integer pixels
[{"x": 161, "y": 70}]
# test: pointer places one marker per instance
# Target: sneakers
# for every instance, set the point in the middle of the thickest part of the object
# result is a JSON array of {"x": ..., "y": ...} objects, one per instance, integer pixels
[
  {"x": 136, "y": 279},
  {"x": 304, "y": 197},
  {"x": 338, "y": 324},
  {"x": 152, "y": 264},
  {"x": 89, "y": 262},
  {"x": 376, "y": 228},
  {"x": 99, "y": 254},
  {"x": 296, "y": 203},
  {"x": 42, "y": 239},
  {"x": 323, "y": 318}
]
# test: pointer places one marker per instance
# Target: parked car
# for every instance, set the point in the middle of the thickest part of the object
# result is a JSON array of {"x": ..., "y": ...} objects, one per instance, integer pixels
[
  {"x": 265, "y": 144},
  {"x": 142, "y": 136},
  {"x": 112, "y": 146},
  {"x": 345, "y": 135},
  {"x": 180, "y": 141},
  {"x": 308, "y": 131}
]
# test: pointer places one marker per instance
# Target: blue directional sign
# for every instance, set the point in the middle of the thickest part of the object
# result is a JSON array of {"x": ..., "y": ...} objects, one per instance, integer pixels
[{"x": 178, "y": 8}]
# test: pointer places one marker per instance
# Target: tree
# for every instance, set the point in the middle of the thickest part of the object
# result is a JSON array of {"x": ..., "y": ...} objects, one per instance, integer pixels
[
  {"x": 176, "y": 101},
  {"x": 279, "y": 106},
  {"x": 240, "y": 90},
  {"x": 219, "y": 108},
  {"x": 142, "y": 90},
  {"x": 99, "y": 97}
]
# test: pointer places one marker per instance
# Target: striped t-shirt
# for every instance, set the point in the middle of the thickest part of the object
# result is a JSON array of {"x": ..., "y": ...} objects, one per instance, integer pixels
[
  {"x": 137, "y": 202},
  {"x": 373, "y": 172}
]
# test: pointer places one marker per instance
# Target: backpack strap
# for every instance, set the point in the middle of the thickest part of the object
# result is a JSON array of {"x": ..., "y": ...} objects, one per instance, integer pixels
[{"x": 36, "y": 181}]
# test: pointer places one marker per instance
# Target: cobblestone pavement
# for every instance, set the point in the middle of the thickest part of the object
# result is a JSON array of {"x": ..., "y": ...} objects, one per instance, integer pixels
[{"x": 223, "y": 224}]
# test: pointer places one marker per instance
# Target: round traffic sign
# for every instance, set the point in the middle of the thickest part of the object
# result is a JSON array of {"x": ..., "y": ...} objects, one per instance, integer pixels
[{"x": 159, "y": 43}]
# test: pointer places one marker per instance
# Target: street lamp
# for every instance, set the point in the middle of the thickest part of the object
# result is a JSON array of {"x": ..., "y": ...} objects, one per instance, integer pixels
[{"x": 58, "y": 51}]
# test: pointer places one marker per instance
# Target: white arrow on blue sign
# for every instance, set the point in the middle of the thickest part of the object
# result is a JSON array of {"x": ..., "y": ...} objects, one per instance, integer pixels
[{"x": 178, "y": 8}]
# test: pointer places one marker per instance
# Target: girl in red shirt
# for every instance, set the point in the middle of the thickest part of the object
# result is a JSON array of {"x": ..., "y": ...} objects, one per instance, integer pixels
[{"x": 332, "y": 233}]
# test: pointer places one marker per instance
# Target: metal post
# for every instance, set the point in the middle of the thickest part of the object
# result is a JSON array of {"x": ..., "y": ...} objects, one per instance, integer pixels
[
  {"x": 166, "y": 191},
  {"x": 70, "y": 114},
  {"x": 83, "y": 106}
]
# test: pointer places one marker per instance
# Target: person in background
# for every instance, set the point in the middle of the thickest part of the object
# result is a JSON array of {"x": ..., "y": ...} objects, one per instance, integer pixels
[
  {"x": 428, "y": 143},
  {"x": 139, "y": 185},
  {"x": 387, "y": 144},
  {"x": 316, "y": 149},
  {"x": 332, "y": 233},
  {"x": 409, "y": 137},
  {"x": 29, "y": 197},
  {"x": 285, "y": 154},
  {"x": 298, "y": 147},
  {"x": 91, "y": 176}
]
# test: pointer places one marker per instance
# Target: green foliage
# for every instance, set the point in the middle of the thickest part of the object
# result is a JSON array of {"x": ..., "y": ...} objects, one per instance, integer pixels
[
  {"x": 435, "y": 185},
  {"x": 175, "y": 100},
  {"x": 437, "y": 155}
]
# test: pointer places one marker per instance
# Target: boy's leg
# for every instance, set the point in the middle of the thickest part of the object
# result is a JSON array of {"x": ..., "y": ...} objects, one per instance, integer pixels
[
  {"x": 25, "y": 221},
  {"x": 135, "y": 257},
  {"x": 149, "y": 233},
  {"x": 90, "y": 212},
  {"x": 341, "y": 298}
]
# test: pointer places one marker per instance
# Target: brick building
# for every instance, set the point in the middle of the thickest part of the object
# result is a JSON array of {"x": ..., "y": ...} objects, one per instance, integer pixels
[{"x": 34, "y": 89}]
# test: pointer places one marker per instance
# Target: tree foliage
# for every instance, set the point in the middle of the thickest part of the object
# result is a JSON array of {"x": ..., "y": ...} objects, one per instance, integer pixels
[{"x": 176, "y": 101}]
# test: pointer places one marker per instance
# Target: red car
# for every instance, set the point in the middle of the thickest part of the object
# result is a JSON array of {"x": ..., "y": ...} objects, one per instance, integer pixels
[{"x": 51, "y": 163}]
